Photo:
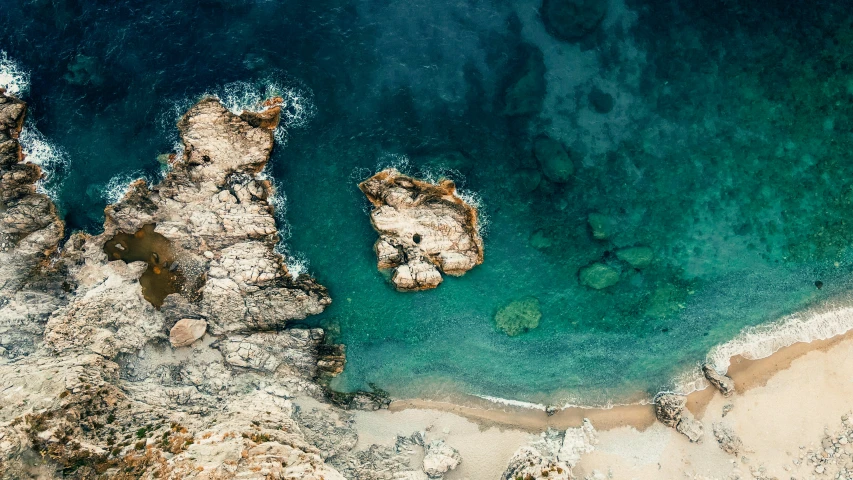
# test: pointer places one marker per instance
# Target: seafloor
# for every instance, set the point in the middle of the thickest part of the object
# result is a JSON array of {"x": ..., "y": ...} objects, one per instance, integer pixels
[{"x": 717, "y": 134}]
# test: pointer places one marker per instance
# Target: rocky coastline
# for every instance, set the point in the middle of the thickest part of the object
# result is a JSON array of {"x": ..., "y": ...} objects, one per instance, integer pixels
[{"x": 161, "y": 347}]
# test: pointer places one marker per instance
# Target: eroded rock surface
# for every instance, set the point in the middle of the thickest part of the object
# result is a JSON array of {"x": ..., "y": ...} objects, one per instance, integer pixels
[
  {"x": 424, "y": 229},
  {"x": 30, "y": 232},
  {"x": 721, "y": 382},
  {"x": 671, "y": 410}
]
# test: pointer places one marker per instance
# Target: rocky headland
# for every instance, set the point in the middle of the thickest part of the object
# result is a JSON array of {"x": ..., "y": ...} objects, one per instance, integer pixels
[
  {"x": 425, "y": 229},
  {"x": 161, "y": 348}
]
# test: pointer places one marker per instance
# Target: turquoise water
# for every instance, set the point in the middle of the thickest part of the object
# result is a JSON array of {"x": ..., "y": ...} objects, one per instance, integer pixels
[{"x": 724, "y": 150}]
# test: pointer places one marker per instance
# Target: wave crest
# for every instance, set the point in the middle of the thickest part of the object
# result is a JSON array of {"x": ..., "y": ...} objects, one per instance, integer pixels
[{"x": 14, "y": 79}]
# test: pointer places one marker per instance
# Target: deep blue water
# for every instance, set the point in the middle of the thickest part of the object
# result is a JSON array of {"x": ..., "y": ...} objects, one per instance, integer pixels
[{"x": 725, "y": 150}]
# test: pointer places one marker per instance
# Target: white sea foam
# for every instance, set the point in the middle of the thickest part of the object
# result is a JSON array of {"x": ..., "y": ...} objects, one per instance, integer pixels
[
  {"x": 297, "y": 105},
  {"x": 513, "y": 403},
  {"x": 117, "y": 187},
  {"x": 761, "y": 341},
  {"x": 13, "y": 78},
  {"x": 39, "y": 150}
]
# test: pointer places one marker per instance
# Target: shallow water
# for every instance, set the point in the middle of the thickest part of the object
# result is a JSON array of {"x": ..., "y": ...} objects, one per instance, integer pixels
[{"x": 724, "y": 150}]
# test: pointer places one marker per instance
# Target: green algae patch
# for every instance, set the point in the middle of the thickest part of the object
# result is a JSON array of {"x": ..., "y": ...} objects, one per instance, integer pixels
[
  {"x": 599, "y": 276},
  {"x": 519, "y": 316},
  {"x": 162, "y": 277}
]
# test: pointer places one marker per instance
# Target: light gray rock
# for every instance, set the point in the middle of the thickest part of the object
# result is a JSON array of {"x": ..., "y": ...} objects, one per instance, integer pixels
[
  {"x": 670, "y": 409},
  {"x": 727, "y": 438},
  {"x": 440, "y": 458}
]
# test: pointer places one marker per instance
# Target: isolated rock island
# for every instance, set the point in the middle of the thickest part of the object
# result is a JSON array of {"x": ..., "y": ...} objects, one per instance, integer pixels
[{"x": 425, "y": 229}]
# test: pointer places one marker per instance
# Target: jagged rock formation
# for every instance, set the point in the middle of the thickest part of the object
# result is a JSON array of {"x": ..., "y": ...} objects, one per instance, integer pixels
[
  {"x": 30, "y": 232},
  {"x": 721, "y": 382},
  {"x": 671, "y": 410},
  {"x": 160, "y": 348},
  {"x": 553, "y": 455},
  {"x": 423, "y": 229}
]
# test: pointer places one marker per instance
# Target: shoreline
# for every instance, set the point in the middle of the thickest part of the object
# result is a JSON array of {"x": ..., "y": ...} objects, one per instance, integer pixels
[{"x": 747, "y": 368}]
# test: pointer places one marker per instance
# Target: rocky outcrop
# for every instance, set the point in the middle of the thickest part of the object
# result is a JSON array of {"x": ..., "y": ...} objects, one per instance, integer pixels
[
  {"x": 671, "y": 410},
  {"x": 553, "y": 455},
  {"x": 721, "y": 382},
  {"x": 424, "y": 229},
  {"x": 112, "y": 377},
  {"x": 30, "y": 232}
]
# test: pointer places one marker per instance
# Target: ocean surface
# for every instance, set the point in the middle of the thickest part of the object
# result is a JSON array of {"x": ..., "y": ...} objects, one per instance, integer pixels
[{"x": 718, "y": 134}]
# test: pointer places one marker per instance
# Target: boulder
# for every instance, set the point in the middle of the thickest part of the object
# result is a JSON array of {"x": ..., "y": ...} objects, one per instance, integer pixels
[
  {"x": 571, "y": 20},
  {"x": 598, "y": 276},
  {"x": 723, "y": 383},
  {"x": 440, "y": 458},
  {"x": 519, "y": 316},
  {"x": 531, "y": 464},
  {"x": 553, "y": 159},
  {"x": 187, "y": 331}
]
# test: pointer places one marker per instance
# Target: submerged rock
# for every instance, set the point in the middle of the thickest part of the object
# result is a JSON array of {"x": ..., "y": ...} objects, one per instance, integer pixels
[
  {"x": 519, "y": 316},
  {"x": 553, "y": 159},
  {"x": 540, "y": 240},
  {"x": 601, "y": 226},
  {"x": 572, "y": 20},
  {"x": 598, "y": 276},
  {"x": 525, "y": 95},
  {"x": 670, "y": 409},
  {"x": 424, "y": 229},
  {"x": 721, "y": 382},
  {"x": 601, "y": 101},
  {"x": 637, "y": 257}
]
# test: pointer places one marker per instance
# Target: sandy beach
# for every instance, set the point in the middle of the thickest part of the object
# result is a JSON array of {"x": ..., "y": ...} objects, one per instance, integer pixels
[{"x": 782, "y": 408}]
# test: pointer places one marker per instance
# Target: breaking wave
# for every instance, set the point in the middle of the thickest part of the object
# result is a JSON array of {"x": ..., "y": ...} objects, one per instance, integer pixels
[
  {"x": 761, "y": 341},
  {"x": 51, "y": 158},
  {"x": 117, "y": 187},
  {"x": 13, "y": 78}
]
